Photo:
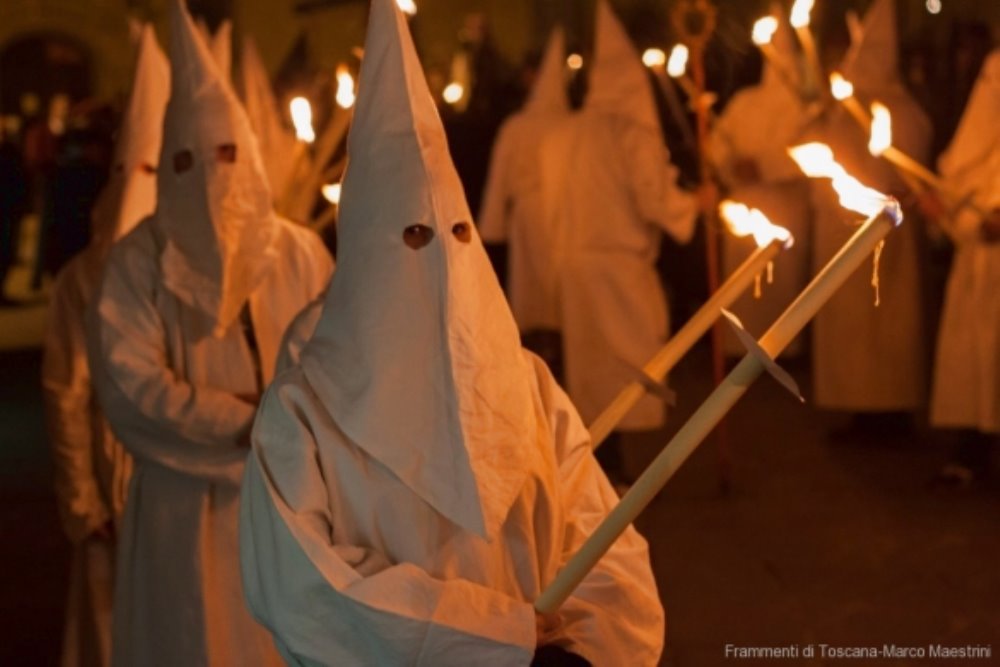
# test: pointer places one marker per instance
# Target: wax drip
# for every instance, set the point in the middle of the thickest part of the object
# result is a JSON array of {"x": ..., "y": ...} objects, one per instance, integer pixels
[
  {"x": 756, "y": 286},
  {"x": 875, "y": 269},
  {"x": 770, "y": 273}
]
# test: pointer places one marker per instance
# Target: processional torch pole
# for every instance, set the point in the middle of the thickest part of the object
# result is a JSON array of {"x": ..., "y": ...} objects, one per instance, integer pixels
[
  {"x": 884, "y": 217},
  {"x": 694, "y": 21}
]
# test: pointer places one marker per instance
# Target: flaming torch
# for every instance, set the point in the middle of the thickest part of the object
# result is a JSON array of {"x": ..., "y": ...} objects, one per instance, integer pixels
[
  {"x": 884, "y": 216},
  {"x": 843, "y": 91},
  {"x": 800, "y": 19},
  {"x": 302, "y": 119},
  {"x": 677, "y": 69},
  {"x": 741, "y": 221},
  {"x": 763, "y": 35}
]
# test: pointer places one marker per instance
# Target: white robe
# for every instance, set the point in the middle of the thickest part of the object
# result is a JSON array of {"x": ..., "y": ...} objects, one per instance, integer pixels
[
  {"x": 91, "y": 467},
  {"x": 517, "y": 210},
  {"x": 620, "y": 197},
  {"x": 348, "y": 566},
  {"x": 170, "y": 396},
  {"x": 966, "y": 391},
  {"x": 868, "y": 359},
  {"x": 758, "y": 124}
]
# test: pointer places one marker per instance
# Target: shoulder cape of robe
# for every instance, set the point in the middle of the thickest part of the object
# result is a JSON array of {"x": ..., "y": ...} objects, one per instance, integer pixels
[{"x": 347, "y": 566}]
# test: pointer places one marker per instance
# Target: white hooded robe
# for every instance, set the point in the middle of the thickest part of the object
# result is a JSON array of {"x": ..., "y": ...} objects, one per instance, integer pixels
[
  {"x": 966, "y": 390},
  {"x": 758, "y": 124},
  {"x": 516, "y": 205},
  {"x": 868, "y": 358},
  {"x": 172, "y": 362},
  {"x": 92, "y": 469},
  {"x": 619, "y": 196},
  {"x": 417, "y": 481}
]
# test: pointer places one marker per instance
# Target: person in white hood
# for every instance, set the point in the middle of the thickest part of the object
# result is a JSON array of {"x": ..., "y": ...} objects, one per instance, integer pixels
[
  {"x": 619, "y": 195},
  {"x": 417, "y": 481},
  {"x": 750, "y": 140},
  {"x": 91, "y": 467},
  {"x": 518, "y": 209},
  {"x": 868, "y": 360},
  {"x": 186, "y": 330},
  {"x": 966, "y": 390}
]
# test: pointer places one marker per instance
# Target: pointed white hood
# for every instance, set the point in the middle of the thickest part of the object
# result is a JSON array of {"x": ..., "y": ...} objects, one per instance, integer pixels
[
  {"x": 972, "y": 159},
  {"x": 548, "y": 94},
  {"x": 130, "y": 194},
  {"x": 216, "y": 215},
  {"x": 222, "y": 49},
  {"x": 872, "y": 62},
  {"x": 277, "y": 143},
  {"x": 619, "y": 84},
  {"x": 417, "y": 356}
]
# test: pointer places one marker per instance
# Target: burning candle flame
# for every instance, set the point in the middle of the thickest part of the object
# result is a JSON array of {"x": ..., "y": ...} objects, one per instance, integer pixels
[
  {"x": 302, "y": 118},
  {"x": 800, "y": 13},
  {"x": 408, "y": 7},
  {"x": 764, "y": 29},
  {"x": 345, "y": 88},
  {"x": 840, "y": 87},
  {"x": 881, "y": 133},
  {"x": 331, "y": 192},
  {"x": 654, "y": 58},
  {"x": 677, "y": 64},
  {"x": 574, "y": 61},
  {"x": 453, "y": 92},
  {"x": 816, "y": 161},
  {"x": 743, "y": 221}
]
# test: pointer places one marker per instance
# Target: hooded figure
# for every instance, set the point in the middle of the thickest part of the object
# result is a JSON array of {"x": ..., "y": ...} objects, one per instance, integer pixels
[
  {"x": 967, "y": 371},
  {"x": 749, "y": 146},
  {"x": 277, "y": 143},
  {"x": 91, "y": 467},
  {"x": 419, "y": 478},
  {"x": 515, "y": 207},
  {"x": 186, "y": 330},
  {"x": 618, "y": 196},
  {"x": 869, "y": 359}
]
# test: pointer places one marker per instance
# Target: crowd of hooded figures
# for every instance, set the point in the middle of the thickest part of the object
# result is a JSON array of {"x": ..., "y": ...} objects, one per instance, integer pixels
[{"x": 262, "y": 459}]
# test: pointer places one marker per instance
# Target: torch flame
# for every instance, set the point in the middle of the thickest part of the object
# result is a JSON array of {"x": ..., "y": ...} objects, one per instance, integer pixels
[
  {"x": 453, "y": 92},
  {"x": 800, "y": 13},
  {"x": 331, "y": 192},
  {"x": 408, "y": 7},
  {"x": 654, "y": 58},
  {"x": 677, "y": 64},
  {"x": 302, "y": 118},
  {"x": 345, "y": 88},
  {"x": 743, "y": 221},
  {"x": 816, "y": 161},
  {"x": 574, "y": 61},
  {"x": 881, "y": 132},
  {"x": 764, "y": 29},
  {"x": 840, "y": 87}
]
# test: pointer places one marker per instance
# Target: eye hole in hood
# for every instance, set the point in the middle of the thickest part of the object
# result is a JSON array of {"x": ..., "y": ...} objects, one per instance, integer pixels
[{"x": 417, "y": 236}]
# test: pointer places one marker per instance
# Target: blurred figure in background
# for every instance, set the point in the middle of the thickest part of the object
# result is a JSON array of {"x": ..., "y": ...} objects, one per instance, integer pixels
[
  {"x": 749, "y": 147},
  {"x": 620, "y": 195},
  {"x": 966, "y": 394},
  {"x": 186, "y": 330},
  {"x": 868, "y": 361},
  {"x": 519, "y": 205},
  {"x": 92, "y": 469}
]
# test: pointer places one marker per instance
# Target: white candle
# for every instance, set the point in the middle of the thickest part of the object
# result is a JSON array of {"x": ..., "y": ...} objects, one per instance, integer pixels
[{"x": 712, "y": 411}]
